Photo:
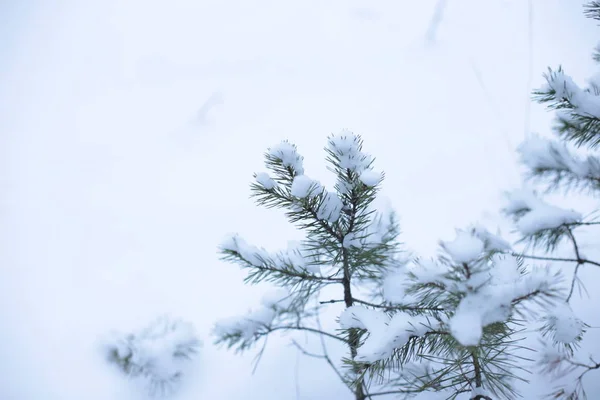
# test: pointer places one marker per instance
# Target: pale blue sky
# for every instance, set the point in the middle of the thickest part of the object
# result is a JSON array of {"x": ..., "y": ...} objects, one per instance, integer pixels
[{"x": 116, "y": 193}]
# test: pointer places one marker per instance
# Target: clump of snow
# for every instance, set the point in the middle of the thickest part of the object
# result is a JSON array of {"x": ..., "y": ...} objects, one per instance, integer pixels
[
  {"x": 330, "y": 208},
  {"x": 465, "y": 248},
  {"x": 385, "y": 333},
  {"x": 394, "y": 287},
  {"x": 252, "y": 254},
  {"x": 585, "y": 103},
  {"x": 351, "y": 240},
  {"x": 288, "y": 154},
  {"x": 292, "y": 258},
  {"x": 542, "y": 154},
  {"x": 303, "y": 186},
  {"x": 491, "y": 242},
  {"x": 296, "y": 258},
  {"x": 361, "y": 318},
  {"x": 493, "y": 301},
  {"x": 247, "y": 326},
  {"x": 273, "y": 303},
  {"x": 566, "y": 326},
  {"x": 265, "y": 180},
  {"x": 534, "y": 215},
  {"x": 505, "y": 269},
  {"x": 347, "y": 146},
  {"x": 370, "y": 177},
  {"x": 476, "y": 311},
  {"x": 427, "y": 271}
]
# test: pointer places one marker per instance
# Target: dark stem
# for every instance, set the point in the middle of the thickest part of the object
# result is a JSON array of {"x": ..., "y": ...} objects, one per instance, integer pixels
[
  {"x": 353, "y": 334},
  {"x": 385, "y": 307},
  {"x": 467, "y": 270},
  {"x": 478, "y": 377},
  {"x": 542, "y": 258},
  {"x": 579, "y": 262},
  {"x": 477, "y": 366},
  {"x": 305, "y": 328}
]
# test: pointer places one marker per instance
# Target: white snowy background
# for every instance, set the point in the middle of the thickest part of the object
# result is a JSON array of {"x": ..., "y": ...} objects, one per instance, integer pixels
[{"x": 130, "y": 130}]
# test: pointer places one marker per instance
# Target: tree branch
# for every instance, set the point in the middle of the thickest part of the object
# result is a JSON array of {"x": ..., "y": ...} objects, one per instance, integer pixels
[
  {"x": 397, "y": 307},
  {"x": 328, "y": 359},
  {"x": 304, "y": 328},
  {"x": 543, "y": 258}
]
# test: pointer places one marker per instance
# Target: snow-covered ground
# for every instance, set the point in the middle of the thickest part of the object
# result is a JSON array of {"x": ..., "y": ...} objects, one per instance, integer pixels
[{"x": 130, "y": 131}]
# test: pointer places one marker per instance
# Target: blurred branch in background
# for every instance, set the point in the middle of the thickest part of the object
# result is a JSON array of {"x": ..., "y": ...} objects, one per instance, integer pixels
[{"x": 436, "y": 19}]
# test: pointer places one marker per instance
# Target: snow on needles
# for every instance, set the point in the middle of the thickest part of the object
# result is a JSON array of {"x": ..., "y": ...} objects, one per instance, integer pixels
[
  {"x": 490, "y": 295},
  {"x": 464, "y": 248},
  {"x": 303, "y": 187},
  {"x": 330, "y": 208},
  {"x": 288, "y": 154},
  {"x": 370, "y": 177},
  {"x": 265, "y": 180},
  {"x": 292, "y": 258},
  {"x": 540, "y": 155},
  {"x": 385, "y": 333},
  {"x": 247, "y": 326},
  {"x": 584, "y": 102},
  {"x": 567, "y": 328},
  {"x": 488, "y": 287},
  {"x": 533, "y": 215},
  {"x": 347, "y": 148},
  {"x": 470, "y": 244}
]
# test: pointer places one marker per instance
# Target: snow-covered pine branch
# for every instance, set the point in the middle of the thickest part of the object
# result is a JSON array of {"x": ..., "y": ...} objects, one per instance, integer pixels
[
  {"x": 551, "y": 162},
  {"x": 444, "y": 325},
  {"x": 347, "y": 242},
  {"x": 567, "y": 162},
  {"x": 159, "y": 354},
  {"x": 470, "y": 300}
]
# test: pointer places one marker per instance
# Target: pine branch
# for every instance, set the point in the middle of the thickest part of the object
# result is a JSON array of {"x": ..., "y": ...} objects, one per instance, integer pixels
[
  {"x": 280, "y": 273},
  {"x": 386, "y": 307},
  {"x": 306, "y": 329},
  {"x": 592, "y": 10},
  {"x": 545, "y": 258}
]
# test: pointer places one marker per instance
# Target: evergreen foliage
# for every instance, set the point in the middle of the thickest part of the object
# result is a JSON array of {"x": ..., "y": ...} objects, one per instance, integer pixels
[
  {"x": 569, "y": 164},
  {"x": 444, "y": 325}
]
